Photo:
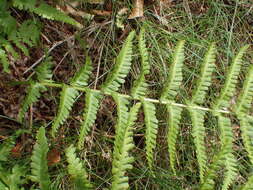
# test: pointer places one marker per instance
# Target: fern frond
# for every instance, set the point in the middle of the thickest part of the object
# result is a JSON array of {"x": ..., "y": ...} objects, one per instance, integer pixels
[
  {"x": 92, "y": 103},
  {"x": 9, "y": 48},
  {"x": 205, "y": 78},
  {"x": 5, "y": 149},
  {"x": 76, "y": 170},
  {"x": 39, "y": 161},
  {"x": 151, "y": 124},
  {"x": 198, "y": 133},
  {"x": 231, "y": 80},
  {"x": 123, "y": 143},
  {"x": 44, "y": 70},
  {"x": 227, "y": 142},
  {"x": 45, "y": 11},
  {"x": 245, "y": 98},
  {"x": 82, "y": 76},
  {"x": 122, "y": 67},
  {"x": 173, "y": 125},
  {"x": 33, "y": 94},
  {"x": 246, "y": 126},
  {"x": 4, "y": 61},
  {"x": 140, "y": 86},
  {"x": 67, "y": 99},
  {"x": 175, "y": 74}
]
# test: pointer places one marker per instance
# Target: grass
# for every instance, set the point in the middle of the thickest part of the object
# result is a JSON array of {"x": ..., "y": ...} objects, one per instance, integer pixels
[{"x": 206, "y": 21}]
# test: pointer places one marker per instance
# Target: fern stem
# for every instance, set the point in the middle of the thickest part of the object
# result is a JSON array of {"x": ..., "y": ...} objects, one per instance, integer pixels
[{"x": 152, "y": 100}]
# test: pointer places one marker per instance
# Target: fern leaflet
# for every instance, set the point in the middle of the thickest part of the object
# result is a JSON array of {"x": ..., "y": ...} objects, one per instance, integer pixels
[
  {"x": 140, "y": 86},
  {"x": 175, "y": 75},
  {"x": 151, "y": 124},
  {"x": 122, "y": 67},
  {"x": 77, "y": 170},
  {"x": 67, "y": 99},
  {"x": 231, "y": 80},
  {"x": 39, "y": 161},
  {"x": 123, "y": 144},
  {"x": 92, "y": 101},
  {"x": 43, "y": 71},
  {"x": 173, "y": 124}
]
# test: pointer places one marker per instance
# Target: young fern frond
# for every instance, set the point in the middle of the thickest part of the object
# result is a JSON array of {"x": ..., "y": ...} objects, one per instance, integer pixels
[
  {"x": 205, "y": 78},
  {"x": 39, "y": 161},
  {"x": 173, "y": 125},
  {"x": 198, "y": 133},
  {"x": 33, "y": 94},
  {"x": 76, "y": 170},
  {"x": 123, "y": 143},
  {"x": 151, "y": 124},
  {"x": 227, "y": 143},
  {"x": 175, "y": 74},
  {"x": 245, "y": 98},
  {"x": 140, "y": 85},
  {"x": 4, "y": 61},
  {"x": 67, "y": 99},
  {"x": 92, "y": 103},
  {"x": 122, "y": 67},
  {"x": 231, "y": 80}
]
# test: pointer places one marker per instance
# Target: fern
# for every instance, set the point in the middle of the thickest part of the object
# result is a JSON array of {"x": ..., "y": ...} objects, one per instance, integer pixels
[
  {"x": 44, "y": 10},
  {"x": 175, "y": 75},
  {"x": 173, "y": 124},
  {"x": 244, "y": 101},
  {"x": 151, "y": 124},
  {"x": 123, "y": 143},
  {"x": 77, "y": 170},
  {"x": 121, "y": 68},
  {"x": 205, "y": 78},
  {"x": 92, "y": 100},
  {"x": 34, "y": 93},
  {"x": 67, "y": 99},
  {"x": 140, "y": 86},
  {"x": 39, "y": 161},
  {"x": 44, "y": 70},
  {"x": 249, "y": 184},
  {"x": 231, "y": 80}
]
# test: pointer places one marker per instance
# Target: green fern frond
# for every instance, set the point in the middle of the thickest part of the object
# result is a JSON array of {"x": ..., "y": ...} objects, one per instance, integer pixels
[
  {"x": 227, "y": 143},
  {"x": 9, "y": 48},
  {"x": 82, "y": 76},
  {"x": 4, "y": 61},
  {"x": 246, "y": 126},
  {"x": 175, "y": 74},
  {"x": 122, "y": 67},
  {"x": 45, "y": 11},
  {"x": 198, "y": 133},
  {"x": 244, "y": 101},
  {"x": 173, "y": 125},
  {"x": 231, "y": 80},
  {"x": 151, "y": 124},
  {"x": 140, "y": 86},
  {"x": 33, "y": 94},
  {"x": 67, "y": 99},
  {"x": 44, "y": 70},
  {"x": 5, "y": 149},
  {"x": 39, "y": 161},
  {"x": 76, "y": 170},
  {"x": 205, "y": 78},
  {"x": 123, "y": 143},
  {"x": 92, "y": 103}
]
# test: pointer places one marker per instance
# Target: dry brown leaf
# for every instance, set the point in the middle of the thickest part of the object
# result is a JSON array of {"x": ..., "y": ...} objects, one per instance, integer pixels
[
  {"x": 137, "y": 9},
  {"x": 101, "y": 12},
  {"x": 53, "y": 157},
  {"x": 96, "y": 1},
  {"x": 16, "y": 151}
]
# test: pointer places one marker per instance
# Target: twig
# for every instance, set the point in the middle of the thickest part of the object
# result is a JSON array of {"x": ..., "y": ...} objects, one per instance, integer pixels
[{"x": 48, "y": 52}]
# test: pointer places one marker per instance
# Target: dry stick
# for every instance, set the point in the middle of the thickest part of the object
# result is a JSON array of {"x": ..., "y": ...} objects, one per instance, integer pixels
[{"x": 48, "y": 52}]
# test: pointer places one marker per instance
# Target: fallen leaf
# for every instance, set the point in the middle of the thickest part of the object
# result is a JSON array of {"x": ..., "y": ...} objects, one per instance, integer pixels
[
  {"x": 101, "y": 12},
  {"x": 16, "y": 151},
  {"x": 53, "y": 157},
  {"x": 96, "y": 1},
  {"x": 137, "y": 9}
]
